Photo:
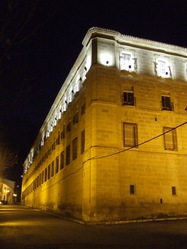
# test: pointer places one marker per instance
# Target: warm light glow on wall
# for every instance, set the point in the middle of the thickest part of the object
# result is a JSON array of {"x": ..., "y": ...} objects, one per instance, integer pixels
[
  {"x": 106, "y": 59},
  {"x": 126, "y": 61},
  {"x": 163, "y": 68}
]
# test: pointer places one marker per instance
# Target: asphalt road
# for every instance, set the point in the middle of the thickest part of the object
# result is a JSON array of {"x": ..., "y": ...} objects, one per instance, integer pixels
[{"x": 23, "y": 227}]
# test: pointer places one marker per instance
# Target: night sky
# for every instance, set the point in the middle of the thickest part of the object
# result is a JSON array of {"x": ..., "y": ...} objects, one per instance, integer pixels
[{"x": 41, "y": 39}]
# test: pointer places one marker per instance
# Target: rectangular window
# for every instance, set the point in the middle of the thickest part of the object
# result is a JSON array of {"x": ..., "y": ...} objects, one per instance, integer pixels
[
  {"x": 83, "y": 107},
  {"x": 52, "y": 168},
  {"x": 76, "y": 118},
  {"x": 173, "y": 190},
  {"x": 49, "y": 173},
  {"x": 45, "y": 174},
  {"x": 63, "y": 132},
  {"x": 68, "y": 155},
  {"x": 82, "y": 141},
  {"x": 126, "y": 61},
  {"x": 42, "y": 176},
  {"x": 130, "y": 134},
  {"x": 62, "y": 160},
  {"x": 132, "y": 189},
  {"x": 170, "y": 139},
  {"x": 74, "y": 148},
  {"x": 68, "y": 128},
  {"x": 57, "y": 164},
  {"x": 166, "y": 103},
  {"x": 128, "y": 98}
]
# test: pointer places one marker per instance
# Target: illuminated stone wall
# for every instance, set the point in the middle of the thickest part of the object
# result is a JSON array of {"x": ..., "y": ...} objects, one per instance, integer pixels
[{"x": 125, "y": 82}]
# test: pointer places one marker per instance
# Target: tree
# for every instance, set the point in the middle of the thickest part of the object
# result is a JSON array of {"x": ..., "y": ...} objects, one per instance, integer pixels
[{"x": 8, "y": 158}]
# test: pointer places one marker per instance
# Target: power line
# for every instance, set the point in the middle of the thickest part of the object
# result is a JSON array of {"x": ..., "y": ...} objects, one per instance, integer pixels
[{"x": 149, "y": 140}]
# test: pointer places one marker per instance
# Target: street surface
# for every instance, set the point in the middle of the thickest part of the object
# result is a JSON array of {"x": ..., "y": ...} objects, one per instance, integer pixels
[{"x": 23, "y": 227}]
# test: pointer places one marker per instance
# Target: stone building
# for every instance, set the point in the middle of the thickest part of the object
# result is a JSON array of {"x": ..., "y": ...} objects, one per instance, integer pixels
[
  {"x": 7, "y": 195},
  {"x": 114, "y": 143}
]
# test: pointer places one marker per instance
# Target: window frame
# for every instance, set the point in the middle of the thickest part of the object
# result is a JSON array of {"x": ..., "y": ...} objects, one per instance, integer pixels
[
  {"x": 167, "y": 144},
  {"x": 135, "y": 134}
]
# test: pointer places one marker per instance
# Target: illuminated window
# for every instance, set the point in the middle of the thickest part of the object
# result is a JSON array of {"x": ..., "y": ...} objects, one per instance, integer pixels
[
  {"x": 126, "y": 61},
  {"x": 128, "y": 98},
  {"x": 74, "y": 148},
  {"x": 130, "y": 135},
  {"x": 132, "y": 189},
  {"x": 170, "y": 139},
  {"x": 68, "y": 155},
  {"x": 163, "y": 69},
  {"x": 76, "y": 118},
  {"x": 57, "y": 164},
  {"x": 166, "y": 103},
  {"x": 82, "y": 141},
  {"x": 62, "y": 160}
]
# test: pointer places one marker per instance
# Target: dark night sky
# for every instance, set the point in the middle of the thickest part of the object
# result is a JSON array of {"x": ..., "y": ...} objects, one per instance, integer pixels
[{"x": 40, "y": 55}]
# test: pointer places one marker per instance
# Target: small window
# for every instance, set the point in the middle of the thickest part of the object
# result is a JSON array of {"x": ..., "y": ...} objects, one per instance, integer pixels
[
  {"x": 130, "y": 135},
  {"x": 45, "y": 174},
  {"x": 68, "y": 155},
  {"x": 63, "y": 132},
  {"x": 132, "y": 189},
  {"x": 166, "y": 103},
  {"x": 83, "y": 107},
  {"x": 49, "y": 173},
  {"x": 82, "y": 141},
  {"x": 68, "y": 128},
  {"x": 52, "y": 168},
  {"x": 74, "y": 148},
  {"x": 76, "y": 118},
  {"x": 173, "y": 190},
  {"x": 170, "y": 138},
  {"x": 128, "y": 98},
  {"x": 57, "y": 164},
  {"x": 62, "y": 160}
]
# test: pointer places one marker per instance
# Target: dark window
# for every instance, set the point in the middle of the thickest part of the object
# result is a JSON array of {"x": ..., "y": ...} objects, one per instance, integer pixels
[
  {"x": 173, "y": 189},
  {"x": 128, "y": 98},
  {"x": 130, "y": 135},
  {"x": 82, "y": 141},
  {"x": 68, "y": 155},
  {"x": 170, "y": 138},
  {"x": 132, "y": 189},
  {"x": 49, "y": 173},
  {"x": 63, "y": 132},
  {"x": 62, "y": 160},
  {"x": 76, "y": 118},
  {"x": 74, "y": 148},
  {"x": 68, "y": 128},
  {"x": 57, "y": 164},
  {"x": 166, "y": 103},
  {"x": 52, "y": 169},
  {"x": 42, "y": 176},
  {"x": 58, "y": 139},
  {"x": 83, "y": 107},
  {"x": 45, "y": 174}
]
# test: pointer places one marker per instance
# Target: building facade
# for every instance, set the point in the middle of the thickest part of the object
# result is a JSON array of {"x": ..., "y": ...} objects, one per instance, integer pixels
[
  {"x": 114, "y": 143},
  {"x": 7, "y": 195}
]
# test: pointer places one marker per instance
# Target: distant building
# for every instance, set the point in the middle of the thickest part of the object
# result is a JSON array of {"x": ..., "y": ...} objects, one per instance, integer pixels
[
  {"x": 7, "y": 191},
  {"x": 114, "y": 143}
]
